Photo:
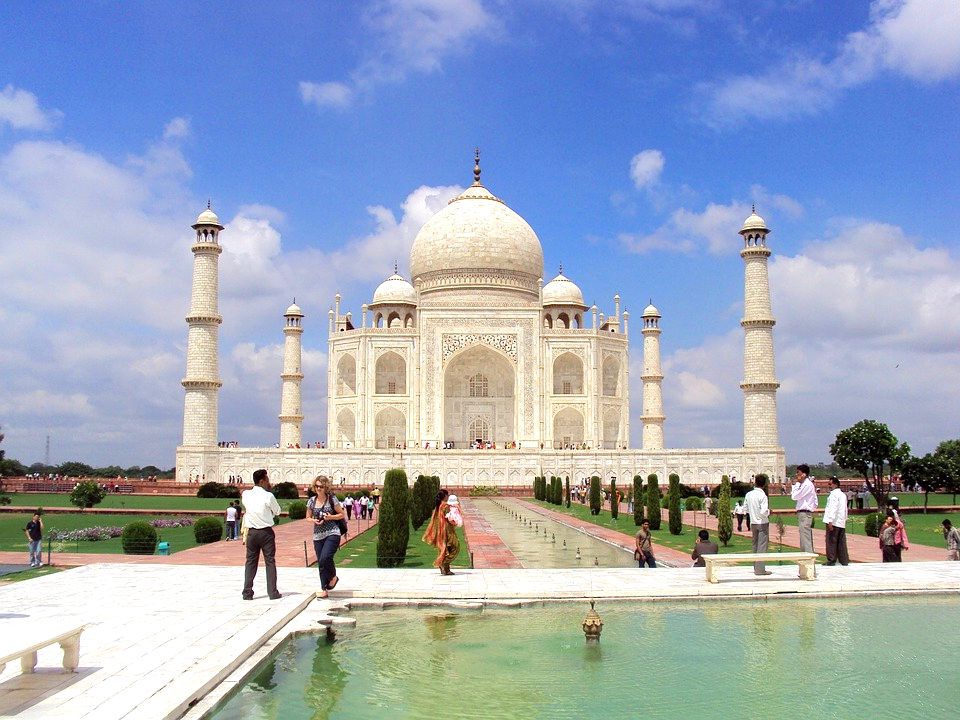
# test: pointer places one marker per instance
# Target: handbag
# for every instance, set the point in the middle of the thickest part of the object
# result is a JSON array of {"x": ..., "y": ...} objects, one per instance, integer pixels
[
  {"x": 636, "y": 555},
  {"x": 341, "y": 522}
]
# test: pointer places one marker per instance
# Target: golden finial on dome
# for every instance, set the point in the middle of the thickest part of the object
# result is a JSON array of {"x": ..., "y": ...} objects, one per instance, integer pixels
[
  {"x": 476, "y": 168},
  {"x": 208, "y": 203},
  {"x": 395, "y": 267},
  {"x": 561, "y": 268}
]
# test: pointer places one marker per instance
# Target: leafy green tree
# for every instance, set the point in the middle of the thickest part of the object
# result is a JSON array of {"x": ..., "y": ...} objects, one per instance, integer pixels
[
  {"x": 673, "y": 502},
  {"x": 72, "y": 468},
  {"x": 87, "y": 493},
  {"x": 872, "y": 450},
  {"x": 394, "y": 525},
  {"x": 653, "y": 501},
  {"x": 596, "y": 497},
  {"x": 949, "y": 454},
  {"x": 724, "y": 518},
  {"x": 638, "y": 506},
  {"x": 614, "y": 499}
]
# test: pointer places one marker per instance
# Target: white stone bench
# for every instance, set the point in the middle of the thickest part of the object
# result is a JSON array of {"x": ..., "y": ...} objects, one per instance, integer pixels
[
  {"x": 23, "y": 642},
  {"x": 804, "y": 560}
]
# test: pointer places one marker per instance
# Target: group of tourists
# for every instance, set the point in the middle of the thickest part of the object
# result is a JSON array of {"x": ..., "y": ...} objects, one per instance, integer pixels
[{"x": 362, "y": 506}]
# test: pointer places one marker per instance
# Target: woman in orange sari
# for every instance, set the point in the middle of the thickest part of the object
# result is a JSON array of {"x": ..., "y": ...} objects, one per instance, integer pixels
[{"x": 442, "y": 534}]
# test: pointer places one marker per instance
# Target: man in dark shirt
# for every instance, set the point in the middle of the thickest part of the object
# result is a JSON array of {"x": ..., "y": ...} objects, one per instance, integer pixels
[
  {"x": 34, "y": 533},
  {"x": 703, "y": 547}
]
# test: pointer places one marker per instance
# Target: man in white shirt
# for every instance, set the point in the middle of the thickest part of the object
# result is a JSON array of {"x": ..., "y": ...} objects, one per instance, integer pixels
[
  {"x": 835, "y": 517},
  {"x": 805, "y": 494},
  {"x": 261, "y": 507},
  {"x": 759, "y": 510}
]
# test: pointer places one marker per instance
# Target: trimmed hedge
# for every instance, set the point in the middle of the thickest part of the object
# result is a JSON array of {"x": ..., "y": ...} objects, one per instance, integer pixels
[
  {"x": 638, "y": 501},
  {"x": 724, "y": 518},
  {"x": 218, "y": 490},
  {"x": 208, "y": 530},
  {"x": 394, "y": 528},
  {"x": 297, "y": 510},
  {"x": 653, "y": 501},
  {"x": 673, "y": 502},
  {"x": 285, "y": 491},
  {"x": 139, "y": 538},
  {"x": 596, "y": 498}
]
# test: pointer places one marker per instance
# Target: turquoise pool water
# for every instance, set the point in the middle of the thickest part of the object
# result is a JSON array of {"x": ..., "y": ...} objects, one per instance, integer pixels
[{"x": 819, "y": 658}]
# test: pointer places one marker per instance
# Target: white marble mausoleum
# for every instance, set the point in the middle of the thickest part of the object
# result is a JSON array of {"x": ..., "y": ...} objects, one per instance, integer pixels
[{"x": 476, "y": 370}]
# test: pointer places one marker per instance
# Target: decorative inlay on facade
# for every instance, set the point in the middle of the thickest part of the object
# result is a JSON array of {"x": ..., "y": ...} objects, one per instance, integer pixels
[
  {"x": 401, "y": 406},
  {"x": 507, "y": 344},
  {"x": 401, "y": 351},
  {"x": 559, "y": 407}
]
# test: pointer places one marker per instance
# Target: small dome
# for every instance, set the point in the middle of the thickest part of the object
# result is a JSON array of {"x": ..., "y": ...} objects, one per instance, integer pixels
[
  {"x": 208, "y": 217},
  {"x": 754, "y": 223},
  {"x": 293, "y": 311},
  {"x": 650, "y": 311},
  {"x": 562, "y": 291},
  {"x": 395, "y": 290}
]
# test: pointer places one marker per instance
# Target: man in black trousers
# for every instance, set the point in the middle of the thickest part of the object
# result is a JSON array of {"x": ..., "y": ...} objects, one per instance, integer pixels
[{"x": 260, "y": 507}]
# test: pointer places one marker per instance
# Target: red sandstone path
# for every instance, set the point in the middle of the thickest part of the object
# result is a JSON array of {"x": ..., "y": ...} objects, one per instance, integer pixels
[{"x": 294, "y": 549}]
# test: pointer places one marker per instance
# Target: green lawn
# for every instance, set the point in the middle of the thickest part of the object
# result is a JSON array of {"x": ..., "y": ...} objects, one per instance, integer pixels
[{"x": 362, "y": 552}]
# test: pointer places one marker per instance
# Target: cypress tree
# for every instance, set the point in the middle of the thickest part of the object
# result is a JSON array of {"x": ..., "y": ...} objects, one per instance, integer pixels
[
  {"x": 614, "y": 504},
  {"x": 673, "y": 500},
  {"x": 421, "y": 487},
  {"x": 637, "y": 500},
  {"x": 566, "y": 492},
  {"x": 557, "y": 491},
  {"x": 724, "y": 518},
  {"x": 596, "y": 499},
  {"x": 653, "y": 501},
  {"x": 394, "y": 525}
]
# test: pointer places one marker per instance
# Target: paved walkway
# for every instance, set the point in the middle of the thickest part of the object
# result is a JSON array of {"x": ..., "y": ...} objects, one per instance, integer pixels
[
  {"x": 486, "y": 546},
  {"x": 160, "y": 638}
]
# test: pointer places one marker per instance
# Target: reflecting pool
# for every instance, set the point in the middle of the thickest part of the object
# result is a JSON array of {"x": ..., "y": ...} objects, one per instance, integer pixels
[
  {"x": 538, "y": 542},
  {"x": 817, "y": 658}
]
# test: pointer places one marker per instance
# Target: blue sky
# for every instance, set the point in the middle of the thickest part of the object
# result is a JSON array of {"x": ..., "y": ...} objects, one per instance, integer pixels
[{"x": 633, "y": 136}]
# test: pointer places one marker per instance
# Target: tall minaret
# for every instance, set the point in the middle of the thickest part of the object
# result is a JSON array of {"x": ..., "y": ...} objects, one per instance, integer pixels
[
  {"x": 291, "y": 409},
  {"x": 652, "y": 378},
  {"x": 759, "y": 375},
  {"x": 202, "y": 381}
]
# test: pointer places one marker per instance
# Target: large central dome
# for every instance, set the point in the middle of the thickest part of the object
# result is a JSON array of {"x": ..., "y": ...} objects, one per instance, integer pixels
[{"x": 477, "y": 241}]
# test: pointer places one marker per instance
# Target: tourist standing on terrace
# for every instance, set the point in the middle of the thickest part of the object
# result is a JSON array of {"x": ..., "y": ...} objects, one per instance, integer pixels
[
  {"x": 325, "y": 511},
  {"x": 759, "y": 509},
  {"x": 952, "y": 536},
  {"x": 835, "y": 518},
  {"x": 888, "y": 540},
  {"x": 644, "y": 551},
  {"x": 231, "y": 520},
  {"x": 442, "y": 534},
  {"x": 805, "y": 494},
  {"x": 261, "y": 508},
  {"x": 34, "y": 533}
]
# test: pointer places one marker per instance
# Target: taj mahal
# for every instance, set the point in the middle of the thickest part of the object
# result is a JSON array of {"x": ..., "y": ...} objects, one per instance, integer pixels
[{"x": 476, "y": 371}]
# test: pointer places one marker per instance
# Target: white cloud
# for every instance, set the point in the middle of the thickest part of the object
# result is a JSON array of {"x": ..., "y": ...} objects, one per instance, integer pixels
[
  {"x": 326, "y": 95},
  {"x": 919, "y": 39},
  {"x": 408, "y": 36},
  {"x": 21, "y": 110},
  {"x": 177, "y": 129},
  {"x": 645, "y": 168},
  {"x": 687, "y": 231}
]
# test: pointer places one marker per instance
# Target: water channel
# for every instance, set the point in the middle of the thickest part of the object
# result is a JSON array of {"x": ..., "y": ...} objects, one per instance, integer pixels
[{"x": 538, "y": 542}]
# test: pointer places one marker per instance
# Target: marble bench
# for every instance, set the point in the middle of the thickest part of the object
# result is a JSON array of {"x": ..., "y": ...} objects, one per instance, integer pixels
[
  {"x": 804, "y": 560},
  {"x": 23, "y": 640}
]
